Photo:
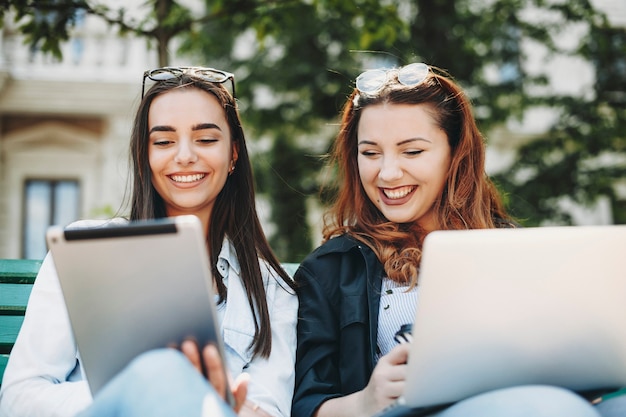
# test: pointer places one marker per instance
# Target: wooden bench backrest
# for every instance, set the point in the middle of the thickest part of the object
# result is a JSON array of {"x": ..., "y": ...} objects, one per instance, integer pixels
[{"x": 16, "y": 281}]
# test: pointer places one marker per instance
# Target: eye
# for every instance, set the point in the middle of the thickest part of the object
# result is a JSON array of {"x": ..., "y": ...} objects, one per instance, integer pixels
[
  {"x": 161, "y": 142},
  {"x": 414, "y": 152},
  {"x": 207, "y": 140},
  {"x": 369, "y": 152}
]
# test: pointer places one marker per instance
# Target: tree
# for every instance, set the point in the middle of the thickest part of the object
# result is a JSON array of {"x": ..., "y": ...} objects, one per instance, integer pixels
[
  {"x": 305, "y": 55},
  {"x": 582, "y": 157},
  {"x": 48, "y": 23},
  {"x": 295, "y": 62},
  {"x": 297, "y": 65}
]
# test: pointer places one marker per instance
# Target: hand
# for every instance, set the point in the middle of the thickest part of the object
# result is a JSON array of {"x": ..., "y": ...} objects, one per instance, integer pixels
[
  {"x": 387, "y": 381},
  {"x": 250, "y": 409},
  {"x": 215, "y": 372}
]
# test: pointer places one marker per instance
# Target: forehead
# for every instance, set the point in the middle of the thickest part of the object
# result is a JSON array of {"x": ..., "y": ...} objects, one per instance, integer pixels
[
  {"x": 387, "y": 122},
  {"x": 186, "y": 105}
]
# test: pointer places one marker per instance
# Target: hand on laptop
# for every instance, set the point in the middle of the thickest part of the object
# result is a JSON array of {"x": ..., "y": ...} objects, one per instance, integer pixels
[
  {"x": 387, "y": 381},
  {"x": 210, "y": 365}
]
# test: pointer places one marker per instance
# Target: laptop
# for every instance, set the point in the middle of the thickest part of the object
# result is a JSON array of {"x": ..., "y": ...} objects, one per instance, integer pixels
[
  {"x": 133, "y": 287},
  {"x": 507, "y": 307}
]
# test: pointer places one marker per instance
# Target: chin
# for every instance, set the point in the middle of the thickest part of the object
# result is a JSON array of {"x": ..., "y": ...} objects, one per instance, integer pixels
[{"x": 399, "y": 219}]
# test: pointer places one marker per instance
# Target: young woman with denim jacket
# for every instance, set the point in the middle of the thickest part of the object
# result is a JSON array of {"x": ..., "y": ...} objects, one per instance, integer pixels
[
  {"x": 409, "y": 160},
  {"x": 189, "y": 156}
]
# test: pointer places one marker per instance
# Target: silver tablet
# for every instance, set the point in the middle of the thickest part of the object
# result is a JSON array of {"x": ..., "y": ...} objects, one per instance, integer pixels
[{"x": 133, "y": 287}]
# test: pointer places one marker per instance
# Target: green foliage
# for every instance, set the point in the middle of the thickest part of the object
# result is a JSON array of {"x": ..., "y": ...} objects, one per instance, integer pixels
[
  {"x": 291, "y": 80},
  {"x": 295, "y": 62},
  {"x": 45, "y": 24},
  {"x": 308, "y": 54},
  {"x": 583, "y": 155}
]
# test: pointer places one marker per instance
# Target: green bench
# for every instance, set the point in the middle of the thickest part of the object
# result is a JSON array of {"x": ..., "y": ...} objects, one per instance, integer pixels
[{"x": 16, "y": 281}]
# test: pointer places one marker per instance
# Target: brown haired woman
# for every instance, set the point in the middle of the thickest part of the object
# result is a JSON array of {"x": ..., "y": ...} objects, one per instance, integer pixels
[{"x": 189, "y": 157}]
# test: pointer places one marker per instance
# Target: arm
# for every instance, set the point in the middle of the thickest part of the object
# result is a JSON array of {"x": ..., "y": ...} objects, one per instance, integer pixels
[
  {"x": 317, "y": 361},
  {"x": 335, "y": 373},
  {"x": 272, "y": 379},
  {"x": 384, "y": 387},
  {"x": 43, "y": 376}
]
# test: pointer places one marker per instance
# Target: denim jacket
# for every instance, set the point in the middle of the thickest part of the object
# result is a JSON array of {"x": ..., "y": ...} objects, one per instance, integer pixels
[{"x": 44, "y": 376}]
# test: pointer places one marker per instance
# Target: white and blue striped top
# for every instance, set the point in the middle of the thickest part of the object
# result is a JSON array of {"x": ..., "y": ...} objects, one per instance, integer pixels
[{"x": 397, "y": 307}]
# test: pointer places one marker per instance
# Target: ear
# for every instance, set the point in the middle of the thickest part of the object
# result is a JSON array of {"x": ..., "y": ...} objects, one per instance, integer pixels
[{"x": 235, "y": 150}]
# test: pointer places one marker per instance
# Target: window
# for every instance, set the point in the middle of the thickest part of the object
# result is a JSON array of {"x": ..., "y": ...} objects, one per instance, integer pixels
[
  {"x": 46, "y": 203},
  {"x": 608, "y": 49}
]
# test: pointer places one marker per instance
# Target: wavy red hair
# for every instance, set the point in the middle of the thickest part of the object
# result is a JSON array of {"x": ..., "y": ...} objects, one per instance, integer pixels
[{"x": 469, "y": 199}]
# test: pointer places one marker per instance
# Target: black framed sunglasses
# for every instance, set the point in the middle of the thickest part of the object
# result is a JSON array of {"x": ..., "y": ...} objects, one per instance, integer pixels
[
  {"x": 167, "y": 73},
  {"x": 371, "y": 81}
]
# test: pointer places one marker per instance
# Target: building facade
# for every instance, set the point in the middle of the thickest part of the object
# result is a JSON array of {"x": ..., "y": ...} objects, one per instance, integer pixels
[{"x": 64, "y": 130}]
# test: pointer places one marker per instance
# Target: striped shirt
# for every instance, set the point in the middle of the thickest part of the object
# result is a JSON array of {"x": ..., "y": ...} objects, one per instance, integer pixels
[{"x": 397, "y": 307}]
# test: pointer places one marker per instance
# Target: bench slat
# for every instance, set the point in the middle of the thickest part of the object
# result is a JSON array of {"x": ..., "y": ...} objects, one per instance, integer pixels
[
  {"x": 19, "y": 271},
  {"x": 9, "y": 328},
  {"x": 16, "y": 282},
  {"x": 13, "y": 298}
]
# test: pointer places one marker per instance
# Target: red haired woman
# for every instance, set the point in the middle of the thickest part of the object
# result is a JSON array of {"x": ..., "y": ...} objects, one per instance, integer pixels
[{"x": 410, "y": 160}]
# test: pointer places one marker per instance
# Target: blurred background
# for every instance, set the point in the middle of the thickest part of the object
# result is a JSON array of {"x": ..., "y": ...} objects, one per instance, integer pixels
[{"x": 547, "y": 79}]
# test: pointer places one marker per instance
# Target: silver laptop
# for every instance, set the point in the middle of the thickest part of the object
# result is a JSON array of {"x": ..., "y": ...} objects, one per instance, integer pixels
[
  {"x": 506, "y": 307},
  {"x": 130, "y": 288}
]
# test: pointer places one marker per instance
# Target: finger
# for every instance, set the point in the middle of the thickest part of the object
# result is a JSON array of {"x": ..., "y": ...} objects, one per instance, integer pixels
[
  {"x": 251, "y": 409},
  {"x": 399, "y": 354},
  {"x": 215, "y": 369},
  {"x": 240, "y": 390},
  {"x": 395, "y": 389},
  {"x": 191, "y": 351}
]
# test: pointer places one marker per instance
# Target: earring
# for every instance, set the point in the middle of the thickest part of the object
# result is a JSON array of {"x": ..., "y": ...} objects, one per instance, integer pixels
[{"x": 232, "y": 167}]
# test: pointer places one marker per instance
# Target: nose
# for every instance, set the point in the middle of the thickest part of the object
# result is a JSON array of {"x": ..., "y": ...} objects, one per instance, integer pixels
[
  {"x": 390, "y": 169},
  {"x": 185, "y": 154}
]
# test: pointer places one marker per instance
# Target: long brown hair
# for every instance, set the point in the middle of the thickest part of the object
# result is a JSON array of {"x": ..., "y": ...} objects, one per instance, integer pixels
[
  {"x": 469, "y": 199},
  {"x": 234, "y": 214}
]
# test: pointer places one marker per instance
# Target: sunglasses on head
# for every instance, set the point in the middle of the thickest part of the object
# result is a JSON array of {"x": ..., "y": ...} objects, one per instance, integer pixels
[
  {"x": 208, "y": 74},
  {"x": 371, "y": 81}
]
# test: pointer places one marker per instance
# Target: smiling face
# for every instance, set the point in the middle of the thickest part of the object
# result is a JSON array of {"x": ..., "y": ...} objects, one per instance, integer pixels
[
  {"x": 403, "y": 161},
  {"x": 190, "y": 151}
]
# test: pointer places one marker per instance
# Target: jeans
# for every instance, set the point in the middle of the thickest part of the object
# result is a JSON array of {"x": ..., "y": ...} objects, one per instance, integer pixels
[
  {"x": 523, "y": 401},
  {"x": 159, "y": 383},
  {"x": 163, "y": 383},
  {"x": 614, "y": 407}
]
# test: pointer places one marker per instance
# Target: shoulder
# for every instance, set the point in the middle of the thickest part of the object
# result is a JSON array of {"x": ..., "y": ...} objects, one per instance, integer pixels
[
  {"x": 337, "y": 245},
  {"x": 338, "y": 260},
  {"x": 271, "y": 278},
  {"x": 329, "y": 253},
  {"x": 228, "y": 260}
]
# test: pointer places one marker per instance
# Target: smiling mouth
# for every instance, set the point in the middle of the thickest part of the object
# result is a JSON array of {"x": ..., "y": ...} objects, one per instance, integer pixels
[
  {"x": 398, "y": 193},
  {"x": 187, "y": 178}
]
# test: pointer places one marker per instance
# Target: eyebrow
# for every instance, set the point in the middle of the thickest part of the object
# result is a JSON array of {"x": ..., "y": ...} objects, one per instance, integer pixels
[
  {"x": 200, "y": 126},
  {"x": 404, "y": 142}
]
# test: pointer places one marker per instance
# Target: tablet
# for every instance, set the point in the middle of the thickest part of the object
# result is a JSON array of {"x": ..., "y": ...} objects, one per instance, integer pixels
[{"x": 133, "y": 287}]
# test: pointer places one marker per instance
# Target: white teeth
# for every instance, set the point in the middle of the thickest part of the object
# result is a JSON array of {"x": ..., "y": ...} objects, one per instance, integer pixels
[
  {"x": 398, "y": 192},
  {"x": 187, "y": 178}
]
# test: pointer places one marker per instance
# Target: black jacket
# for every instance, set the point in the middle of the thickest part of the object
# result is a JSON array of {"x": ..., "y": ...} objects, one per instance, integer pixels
[{"x": 339, "y": 291}]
